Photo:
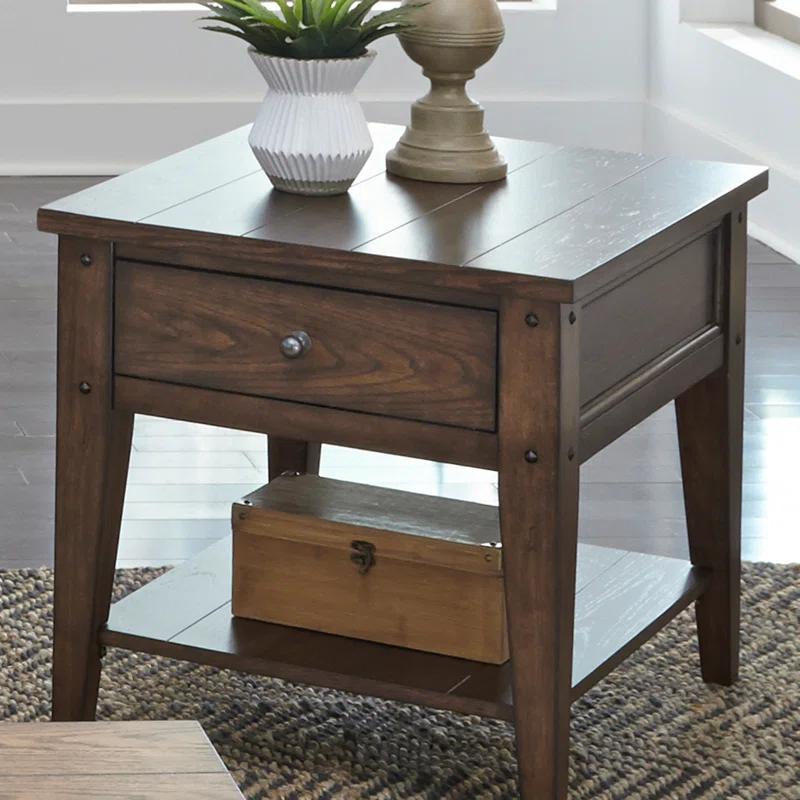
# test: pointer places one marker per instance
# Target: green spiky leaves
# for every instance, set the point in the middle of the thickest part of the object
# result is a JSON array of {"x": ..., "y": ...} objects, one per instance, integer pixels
[{"x": 307, "y": 29}]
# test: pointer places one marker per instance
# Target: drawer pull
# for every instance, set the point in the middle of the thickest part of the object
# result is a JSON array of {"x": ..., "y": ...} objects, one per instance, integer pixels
[{"x": 295, "y": 344}]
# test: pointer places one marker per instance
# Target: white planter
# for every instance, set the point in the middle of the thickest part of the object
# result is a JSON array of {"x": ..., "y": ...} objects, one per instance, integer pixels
[{"x": 311, "y": 136}]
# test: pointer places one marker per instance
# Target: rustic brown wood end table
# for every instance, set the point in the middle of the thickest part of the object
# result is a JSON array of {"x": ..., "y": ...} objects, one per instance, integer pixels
[{"x": 519, "y": 326}]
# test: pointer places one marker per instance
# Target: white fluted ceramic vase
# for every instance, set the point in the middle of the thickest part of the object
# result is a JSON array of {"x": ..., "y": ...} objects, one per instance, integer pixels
[{"x": 311, "y": 136}]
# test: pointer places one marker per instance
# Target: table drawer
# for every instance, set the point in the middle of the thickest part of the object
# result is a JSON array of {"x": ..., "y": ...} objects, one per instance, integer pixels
[{"x": 380, "y": 355}]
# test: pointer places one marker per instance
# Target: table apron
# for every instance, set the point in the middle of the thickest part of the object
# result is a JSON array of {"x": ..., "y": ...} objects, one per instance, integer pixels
[{"x": 602, "y": 421}]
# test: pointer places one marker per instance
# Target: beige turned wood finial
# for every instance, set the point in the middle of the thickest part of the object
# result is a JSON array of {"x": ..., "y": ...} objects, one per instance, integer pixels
[{"x": 446, "y": 141}]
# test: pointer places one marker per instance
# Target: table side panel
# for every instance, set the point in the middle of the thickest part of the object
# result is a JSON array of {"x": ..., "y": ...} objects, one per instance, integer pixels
[
  {"x": 633, "y": 325},
  {"x": 616, "y": 413},
  {"x": 369, "y": 353}
]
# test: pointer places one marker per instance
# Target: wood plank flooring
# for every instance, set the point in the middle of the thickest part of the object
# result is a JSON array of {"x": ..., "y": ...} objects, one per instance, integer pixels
[
  {"x": 111, "y": 760},
  {"x": 184, "y": 477}
]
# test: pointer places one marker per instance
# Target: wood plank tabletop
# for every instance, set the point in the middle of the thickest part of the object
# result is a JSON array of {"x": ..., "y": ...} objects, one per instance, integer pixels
[
  {"x": 111, "y": 760},
  {"x": 562, "y": 213}
]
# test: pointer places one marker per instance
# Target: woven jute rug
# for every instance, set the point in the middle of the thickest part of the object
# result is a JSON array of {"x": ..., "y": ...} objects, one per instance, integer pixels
[{"x": 650, "y": 730}]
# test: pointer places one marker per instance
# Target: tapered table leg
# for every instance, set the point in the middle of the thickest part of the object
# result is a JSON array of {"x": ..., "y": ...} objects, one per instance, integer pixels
[
  {"x": 93, "y": 446},
  {"x": 710, "y": 422},
  {"x": 538, "y": 472},
  {"x": 292, "y": 455}
]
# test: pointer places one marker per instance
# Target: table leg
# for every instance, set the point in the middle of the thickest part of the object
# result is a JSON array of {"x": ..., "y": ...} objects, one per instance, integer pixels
[
  {"x": 93, "y": 446},
  {"x": 292, "y": 455},
  {"x": 538, "y": 473},
  {"x": 710, "y": 421}
]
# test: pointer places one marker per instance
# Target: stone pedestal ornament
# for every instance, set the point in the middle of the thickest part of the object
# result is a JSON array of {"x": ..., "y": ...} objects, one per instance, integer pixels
[{"x": 446, "y": 141}]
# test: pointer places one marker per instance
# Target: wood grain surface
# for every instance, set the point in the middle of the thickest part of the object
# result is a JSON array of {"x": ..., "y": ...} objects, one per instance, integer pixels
[
  {"x": 91, "y": 470},
  {"x": 297, "y": 581},
  {"x": 710, "y": 419},
  {"x": 316, "y": 423},
  {"x": 422, "y": 517},
  {"x": 668, "y": 303},
  {"x": 120, "y": 787},
  {"x": 539, "y": 414},
  {"x": 119, "y": 760},
  {"x": 203, "y": 630},
  {"x": 409, "y": 293},
  {"x": 431, "y": 585},
  {"x": 648, "y": 210},
  {"x": 560, "y": 216},
  {"x": 291, "y": 455},
  {"x": 530, "y": 196},
  {"x": 368, "y": 353}
]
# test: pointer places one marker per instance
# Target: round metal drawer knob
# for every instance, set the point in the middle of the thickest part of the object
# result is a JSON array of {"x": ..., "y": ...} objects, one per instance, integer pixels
[{"x": 295, "y": 344}]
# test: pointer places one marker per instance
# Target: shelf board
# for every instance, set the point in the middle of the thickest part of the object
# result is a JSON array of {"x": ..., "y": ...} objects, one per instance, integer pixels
[{"x": 622, "y": 599}]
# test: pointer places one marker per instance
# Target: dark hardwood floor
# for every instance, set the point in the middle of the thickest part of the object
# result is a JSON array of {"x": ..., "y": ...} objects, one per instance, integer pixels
[{"x": 184, "y": 477}]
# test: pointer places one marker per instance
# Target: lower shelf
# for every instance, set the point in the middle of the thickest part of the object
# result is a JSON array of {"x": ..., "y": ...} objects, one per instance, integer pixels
[{"x": 622, "y": 599}]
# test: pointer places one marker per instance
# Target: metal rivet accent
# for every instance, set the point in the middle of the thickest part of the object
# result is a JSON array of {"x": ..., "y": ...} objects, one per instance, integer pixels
[
  {"x": 86, "y": 260},
  {"x": 85, "y": 388},
  {"x": 531, "y": 320},
  {"x": 531, "y": 456},
  {"x": 247, "y": 502},
  {"x": 738, "y": 338},
  {"x": 571, "y": 453},
  {"x": 572, "y": 317}
]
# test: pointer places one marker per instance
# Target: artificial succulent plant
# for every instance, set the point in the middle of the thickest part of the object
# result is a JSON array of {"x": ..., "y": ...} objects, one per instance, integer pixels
[{"x": 308, "y": 29}]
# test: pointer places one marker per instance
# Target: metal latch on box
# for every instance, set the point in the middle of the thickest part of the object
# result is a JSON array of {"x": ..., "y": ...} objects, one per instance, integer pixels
[{"x": 363, "y": 556}]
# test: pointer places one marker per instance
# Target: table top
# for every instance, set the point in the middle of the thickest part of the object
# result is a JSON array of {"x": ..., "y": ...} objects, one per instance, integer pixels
[
  {"x": 561, "y": 215},
  {"x": 111, "y": 759}
]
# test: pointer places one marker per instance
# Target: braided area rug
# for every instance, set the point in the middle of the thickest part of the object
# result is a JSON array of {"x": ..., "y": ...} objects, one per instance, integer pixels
[{"x": 650, "y": 730}]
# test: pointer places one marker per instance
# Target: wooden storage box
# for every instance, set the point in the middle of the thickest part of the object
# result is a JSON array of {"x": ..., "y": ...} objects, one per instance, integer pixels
[{"x": 391, "y": 567}]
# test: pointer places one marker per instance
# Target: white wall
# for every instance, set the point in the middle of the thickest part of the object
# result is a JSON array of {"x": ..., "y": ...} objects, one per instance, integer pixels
[
  {"x": 717, "y": 10},
  {"x": 102, "y": 92},
  {"x": 730, "y": 92}
]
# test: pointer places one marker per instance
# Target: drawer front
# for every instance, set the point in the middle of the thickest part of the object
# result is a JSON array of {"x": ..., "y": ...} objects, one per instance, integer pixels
[{"x": 379, "y": 355}]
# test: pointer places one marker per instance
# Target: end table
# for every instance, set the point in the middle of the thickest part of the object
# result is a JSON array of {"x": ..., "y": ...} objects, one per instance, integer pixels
[{"x": 519, "y": 326}]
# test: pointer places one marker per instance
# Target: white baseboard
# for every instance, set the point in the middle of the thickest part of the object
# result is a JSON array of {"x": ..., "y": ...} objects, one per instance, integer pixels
[
  {"x": 110, "y": 138},
  {"x": 790, "y": 249},
  {"x": 106, "y": 138}
]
